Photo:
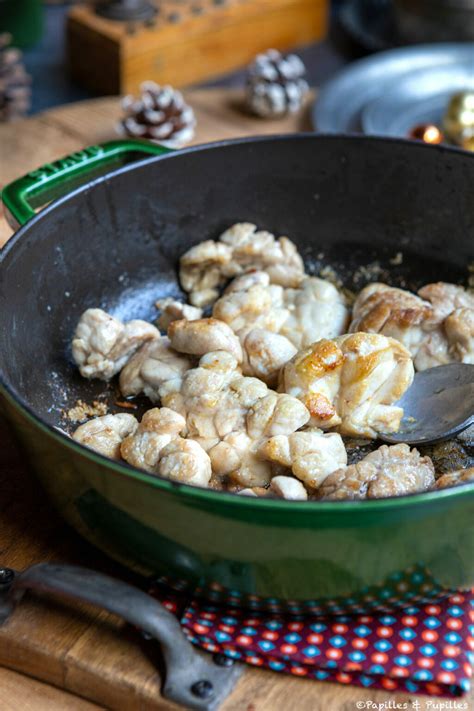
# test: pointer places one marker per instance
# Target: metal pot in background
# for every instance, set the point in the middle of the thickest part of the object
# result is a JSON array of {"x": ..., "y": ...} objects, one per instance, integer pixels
[{"x": 434, "y": 20}]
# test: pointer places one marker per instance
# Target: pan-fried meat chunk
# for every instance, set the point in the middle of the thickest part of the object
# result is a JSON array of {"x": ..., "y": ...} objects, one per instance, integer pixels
[
  {"x": 434, "y": 350},
  {"x": 446, "y": 298},
  {"x": 230, "y": 415},
  {"x": 245, "y": 281},
  {"x": 317, "y": 310},
  {"x": 452, "y": 341},
  {"x": 392, "y": 312},
  {"x": 158, "y": 427},
  {"x": 250, "y": 301},
  {"x": 185, "y": 461},
  {"x": 102, "y": 344},
  {"x": 265, "y": 353},
  {"x": 310, "y": 454},
  {"x": 253, "y": 309},
  {"x": 351, "y": 382},
  {"x": 260, "y": 250},
  {"x": 214, "y": 397},
  {"x": 452, "y": 337},
  {"x": 388, "y": 471},
  {"x": 275, "y": 414},
  {"x": 437, "y": 326},
  {"x": 259, "y": 491},
  {"x": 204, "y": 336},
  {"x": 157, "y": 447},
  {"x": 461, "y": 476},
  {"x": 200, "y": 390},
  {"x": 459, "y": 328},
  {"x": 203, "y": 269},
  {"x": 153, "y": 365},
  {"x": 236, "y": 456},
  {"x": 286, "y": 487},
  {"x": 241, "y": 248},
  {"x": 272, "y": 322},
  {"x": 105, "y": 434},
  {"x": 174, "y": 310},
  {"x": 313, "y": 310}
]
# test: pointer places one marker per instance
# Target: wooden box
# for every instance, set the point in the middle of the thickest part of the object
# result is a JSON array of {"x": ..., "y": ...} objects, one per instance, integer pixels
[{"x": 188, "y": 40}]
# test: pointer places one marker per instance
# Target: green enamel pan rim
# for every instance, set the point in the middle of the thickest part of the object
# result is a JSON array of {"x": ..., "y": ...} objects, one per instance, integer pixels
[{"x": 208, "y": 495}]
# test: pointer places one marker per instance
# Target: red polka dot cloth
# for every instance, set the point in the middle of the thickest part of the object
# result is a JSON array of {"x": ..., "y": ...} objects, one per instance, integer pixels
[{"x": 427, "y": 649}]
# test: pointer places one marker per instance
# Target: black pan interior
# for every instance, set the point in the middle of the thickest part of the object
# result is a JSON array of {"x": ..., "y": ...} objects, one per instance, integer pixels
[{"x": 347, "y": 202}]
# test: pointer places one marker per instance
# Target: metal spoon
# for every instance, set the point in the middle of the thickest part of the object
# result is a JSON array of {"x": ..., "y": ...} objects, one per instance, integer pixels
[{"x": 438, "y": 405}]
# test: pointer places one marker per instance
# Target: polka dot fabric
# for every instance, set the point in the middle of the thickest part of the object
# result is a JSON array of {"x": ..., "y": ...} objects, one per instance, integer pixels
[{"x": 427, "y": 649}]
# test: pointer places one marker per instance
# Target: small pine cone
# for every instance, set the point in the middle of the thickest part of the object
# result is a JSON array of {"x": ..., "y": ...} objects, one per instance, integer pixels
[
  {"x": 15, "y": 90},
  {"x": 276, "y": 84},
  {"x": 160, "y": 114}
]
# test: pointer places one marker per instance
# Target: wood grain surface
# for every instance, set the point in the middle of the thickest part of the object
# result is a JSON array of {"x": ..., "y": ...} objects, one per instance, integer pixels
[
  {"x": 76, "y": 648},
  {"x": 181, "y": 46},
  {"x": 28, "y": 143}
]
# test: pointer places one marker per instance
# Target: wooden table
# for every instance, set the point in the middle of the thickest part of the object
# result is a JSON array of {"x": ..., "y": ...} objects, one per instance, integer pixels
[
  {"x": 27, "y": 144},
  {"x": 75, "y": 648}
]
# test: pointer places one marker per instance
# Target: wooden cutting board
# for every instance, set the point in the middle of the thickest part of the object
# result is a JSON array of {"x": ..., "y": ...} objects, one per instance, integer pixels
[{"x": 74, "y": 647}]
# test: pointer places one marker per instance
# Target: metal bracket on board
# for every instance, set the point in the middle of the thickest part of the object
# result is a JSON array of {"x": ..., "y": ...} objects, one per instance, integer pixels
[{"x": 193, "y": 679}]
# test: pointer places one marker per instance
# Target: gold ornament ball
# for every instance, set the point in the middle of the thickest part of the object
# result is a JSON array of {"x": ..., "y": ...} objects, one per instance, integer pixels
[
  {"x": 468, "y": 143},
  {"x": 458, "y": 122},
  {"x": 427, "y": 132}
]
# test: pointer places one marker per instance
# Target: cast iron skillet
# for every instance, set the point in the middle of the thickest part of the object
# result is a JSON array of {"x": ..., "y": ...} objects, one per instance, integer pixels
[{"x": 347, "y": 202}]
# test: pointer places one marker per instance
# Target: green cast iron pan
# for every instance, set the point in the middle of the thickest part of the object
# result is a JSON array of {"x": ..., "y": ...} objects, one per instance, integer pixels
[{"x": 115, "y": 243}]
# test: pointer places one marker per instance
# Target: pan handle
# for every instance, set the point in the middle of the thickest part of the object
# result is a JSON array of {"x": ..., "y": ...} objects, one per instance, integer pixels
[
  {"x": 193, "y": 679},
  {"x": 55, "y": 179}
]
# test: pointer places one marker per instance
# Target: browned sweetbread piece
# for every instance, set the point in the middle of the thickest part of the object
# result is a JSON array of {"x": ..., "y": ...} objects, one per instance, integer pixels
[
  {"x": 157, "y": 428},
  {"x": 311, "y": 454},
  {"x": 317, "y": 310},
  {"x": 259, "y": 491},
  {"x": 459, "y": 330},
  {"x": 446, "y": 298},
  {"x": 264, "y": 354},
  {"x": 252, "y": 301},
  {"x": 252, "y": 308},
  {"x": 437, "y": 326},
  {"x": 287, "y": 487},
  {"x": 242, "y": 248},
  {"x": 312, "y": 310},
  {"x": 102, "y": 344},
  {"x": 157, "y": 446},
  {"x": 397, "y": 313},
  {"x": 151, "y": 367},
  {"x": 174, "y": 310},
  {"x": 230, "y": 415},
  {"x": 461, "y": 476},
  {"x": 106, "y": 434},
  {"x": 388, "y": 471},
  {"x": 154, "y": 445},
  {"x": 272, "y": 321},
  {"x": 204, "y": 336},
  {"x": 261, "y": 352},
  {"x": 453, "y": 338},
  {"x": 351, "y": 383}
]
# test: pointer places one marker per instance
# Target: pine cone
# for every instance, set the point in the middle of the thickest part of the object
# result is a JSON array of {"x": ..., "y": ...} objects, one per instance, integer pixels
[
  {"x": 15, "y": 91},
  {"x": 276, "y": 84},
  {"x": 160, "y": 114}
]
